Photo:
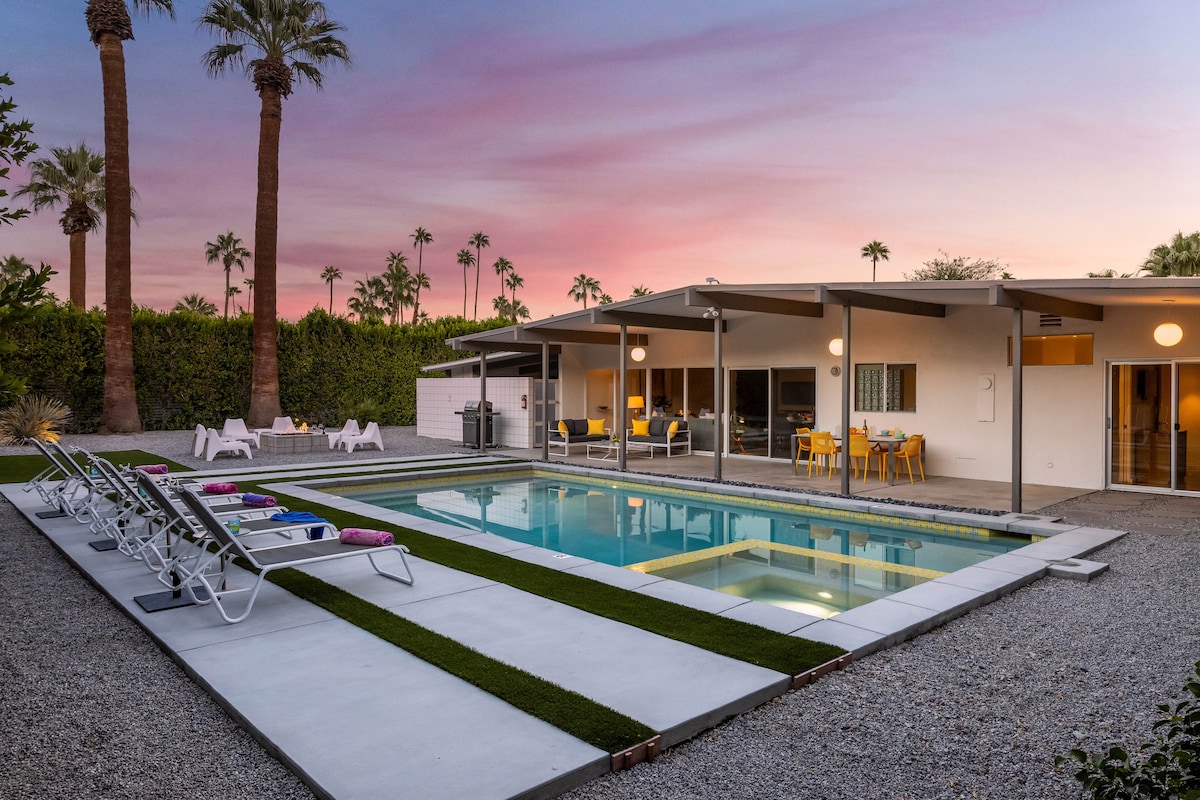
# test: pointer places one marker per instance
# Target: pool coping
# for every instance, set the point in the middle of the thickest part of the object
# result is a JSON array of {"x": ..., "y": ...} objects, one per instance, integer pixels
[{"x": 863, "y": 630}]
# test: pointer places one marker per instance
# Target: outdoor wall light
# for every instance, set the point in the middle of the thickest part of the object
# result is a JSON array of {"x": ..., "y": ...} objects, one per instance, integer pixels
[
  {"x": 835, "y": 346},
  {"x": 1168, "y": 334},
  {"x": 712, "y": 313},
  {"x": 638, "y": 354}
]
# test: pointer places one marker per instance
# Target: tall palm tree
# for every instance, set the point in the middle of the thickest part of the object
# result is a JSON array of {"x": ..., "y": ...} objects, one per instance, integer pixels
[
  {"x": 419, "y": 281},
  {"x": 368, "y": 299},
  {"x": 604, "y": 299},
  {"x": 467, "y": 259},
  {"x": 196, "y": 304},
  {"x": 479, "y": 241},
  {"x": 584, "y": 287},
  {"x": 420, "y": 237},
  {"x": 230, "y": 292},
  {"x": 502, "y": 266},
  {"x": 73, "y": 179},
  {"x": 399, "y": 283},
  {"x": 329, "y": 275},
  {"x": 502, "y": 306},
  {"x": 229, "y": 251},
  {"x": 249, "y": 292},
  {"x": 109, "y": 24},
  {"x": 276, "y": 41},
  {"x": 876, "y": 251},
  {"x": 514, "y": 282},
  {"x": 518, "y": 311}
]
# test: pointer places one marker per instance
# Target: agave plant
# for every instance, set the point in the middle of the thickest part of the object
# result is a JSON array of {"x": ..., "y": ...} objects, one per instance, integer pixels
[{"x": 33, "y": 417}]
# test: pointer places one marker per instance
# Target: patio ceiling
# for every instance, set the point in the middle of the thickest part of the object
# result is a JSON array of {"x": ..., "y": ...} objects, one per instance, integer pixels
[{"x": 688, "y": 307}]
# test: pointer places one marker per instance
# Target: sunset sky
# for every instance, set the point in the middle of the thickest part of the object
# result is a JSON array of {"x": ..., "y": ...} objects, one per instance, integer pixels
[{"x": 654, "y": 143}]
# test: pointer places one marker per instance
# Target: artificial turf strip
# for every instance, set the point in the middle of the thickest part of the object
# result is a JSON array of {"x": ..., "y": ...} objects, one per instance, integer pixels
[
  {"x": 585, "y": 719},
  {"x": 18, "y": 469},
  {"x": 728, "y": 637}
]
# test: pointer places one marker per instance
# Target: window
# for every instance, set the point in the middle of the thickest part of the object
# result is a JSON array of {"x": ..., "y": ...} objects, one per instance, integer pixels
[
  {"x": 885, "y": 387},
  {"x": 1054, "y": 351}
]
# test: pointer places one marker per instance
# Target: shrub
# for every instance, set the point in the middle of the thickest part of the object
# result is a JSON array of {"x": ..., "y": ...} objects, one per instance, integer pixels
[
  {"x": 1166, "y": 769},
  {"x": 33, "y": 417}
]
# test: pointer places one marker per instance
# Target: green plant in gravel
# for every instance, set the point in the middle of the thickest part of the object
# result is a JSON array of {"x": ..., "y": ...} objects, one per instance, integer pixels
[
  {"x": 33, "y": 417},
  {"x": 1166, "y": 769}
]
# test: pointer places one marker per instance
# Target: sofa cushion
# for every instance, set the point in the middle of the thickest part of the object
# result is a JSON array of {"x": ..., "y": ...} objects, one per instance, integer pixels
[
  {"x": 579, "y": 427},
  {"x": 672, "y": 429},
  {"x": 595, "y": 427},
  {"x": 641, "y": 427},
  {"x": 658, "y": 426}
]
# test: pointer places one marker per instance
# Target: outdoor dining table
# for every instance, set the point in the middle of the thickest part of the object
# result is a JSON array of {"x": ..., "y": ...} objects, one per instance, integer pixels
[{"x": 893, "y": 443}]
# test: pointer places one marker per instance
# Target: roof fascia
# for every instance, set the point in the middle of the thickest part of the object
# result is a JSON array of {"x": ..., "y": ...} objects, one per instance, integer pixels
[
  {"x": 738, "y": 301},
  {"x": 878, "y": 302}
]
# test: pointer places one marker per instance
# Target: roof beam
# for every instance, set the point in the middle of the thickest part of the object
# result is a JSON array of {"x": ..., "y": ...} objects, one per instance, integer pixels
[
  {"x": 1044, "y": 303},
  {"x": 584, "y": 337},
  {"x": 879, "y": 302},
  {"x": 752, "y": 302},
  {"x": 642, "y": 320}
]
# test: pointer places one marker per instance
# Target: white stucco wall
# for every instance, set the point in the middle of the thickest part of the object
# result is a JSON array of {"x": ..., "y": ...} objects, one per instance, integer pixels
[{"x": 439, "y": 398}]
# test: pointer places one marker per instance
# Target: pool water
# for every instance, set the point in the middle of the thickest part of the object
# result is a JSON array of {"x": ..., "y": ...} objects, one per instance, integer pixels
[{"x": 818, "y": 561}]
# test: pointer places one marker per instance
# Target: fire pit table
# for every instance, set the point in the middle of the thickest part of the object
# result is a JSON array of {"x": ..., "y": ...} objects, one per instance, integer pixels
[{"x": 292, "y": 443}]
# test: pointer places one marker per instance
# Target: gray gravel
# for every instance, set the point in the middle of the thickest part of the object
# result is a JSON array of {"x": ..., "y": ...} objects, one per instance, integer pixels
[{"x": 90, "y": 708}]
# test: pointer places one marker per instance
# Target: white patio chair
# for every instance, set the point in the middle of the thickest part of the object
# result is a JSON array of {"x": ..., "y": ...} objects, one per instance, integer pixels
[
  {"x": 280, "y": 425},
  {"x": 349, "y": 429},
  {"x": 200, "y": 440},
  {"x": 236, "y": 429},
  {"x": 217, "y": 445},
  {"x": 370, "y": 435}
]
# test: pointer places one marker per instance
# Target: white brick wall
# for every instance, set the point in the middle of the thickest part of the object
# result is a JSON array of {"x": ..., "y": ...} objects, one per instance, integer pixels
[{"x": 439, "y": 398}]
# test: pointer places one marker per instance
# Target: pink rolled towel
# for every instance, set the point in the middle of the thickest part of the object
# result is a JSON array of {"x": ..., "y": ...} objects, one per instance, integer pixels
[
  {"x": 153, "y": 469},
  {"x": 220, "y": 488},
  {"x": 367, "y": 537}
]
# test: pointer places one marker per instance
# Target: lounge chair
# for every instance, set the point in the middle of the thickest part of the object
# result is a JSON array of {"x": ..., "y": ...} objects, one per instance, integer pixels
[
  {"x": 236, "y": 429},
  {"x": 199, "y": 571},
  {"x": 337, "y": 438},
  {"x": 217, "y": 444},
  {"x": 279, "y": 425},
  {"x": 370, "y": 435}
]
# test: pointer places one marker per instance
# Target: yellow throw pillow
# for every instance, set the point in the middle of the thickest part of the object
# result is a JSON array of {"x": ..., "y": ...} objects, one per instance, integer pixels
[
  {"x": 595, "y": 427},
  {"x": 562, "y": 427},
  {"x": 672, "y": 429},
  {"x": 641, "y": 427}
]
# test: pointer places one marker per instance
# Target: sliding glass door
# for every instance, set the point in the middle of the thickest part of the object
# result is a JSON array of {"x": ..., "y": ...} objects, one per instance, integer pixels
[{"x": 1154, "y": 436}]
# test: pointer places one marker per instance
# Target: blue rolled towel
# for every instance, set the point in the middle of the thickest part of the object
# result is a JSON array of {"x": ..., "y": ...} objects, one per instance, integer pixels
[
  {"x": 257, "y": 500},
  {"x": 317, "y": 532}
]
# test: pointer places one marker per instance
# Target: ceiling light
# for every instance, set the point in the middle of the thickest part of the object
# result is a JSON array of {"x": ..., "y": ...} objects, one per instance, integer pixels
[
  {"x": 638, "y": 354},
  {"x": 1168, "y": 334}
]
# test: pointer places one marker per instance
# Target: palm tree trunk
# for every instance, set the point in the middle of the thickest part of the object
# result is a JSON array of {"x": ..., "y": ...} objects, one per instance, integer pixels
[
  {"x": 119, "y": 413},
  {"x": 464, "y": 291},
  {"x": 78, "y": 245},
  {"x": 478, "y": 269},
  {"x": 331, "y": 298},
  {"x": 264, "y": 378},
  {"x": 228, "y": 268}
]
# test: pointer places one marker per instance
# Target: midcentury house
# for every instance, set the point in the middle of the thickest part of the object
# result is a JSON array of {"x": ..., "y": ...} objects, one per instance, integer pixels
[{"x": 1087, "y": 383}]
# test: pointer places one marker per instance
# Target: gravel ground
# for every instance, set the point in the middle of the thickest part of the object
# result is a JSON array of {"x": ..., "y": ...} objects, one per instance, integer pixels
[{"x": 91, "y": 708}]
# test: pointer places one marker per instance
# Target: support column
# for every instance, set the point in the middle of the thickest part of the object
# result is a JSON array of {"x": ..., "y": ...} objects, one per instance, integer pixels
[
  {"x": 846, "y": 400},
  {"x": 622, "y": 399},
  {"x": 483, "y": 423},
  {"x": 1018, "y": 374},
  {"x": 545, "y": 401},
  {"x": 718, "y": 406}
]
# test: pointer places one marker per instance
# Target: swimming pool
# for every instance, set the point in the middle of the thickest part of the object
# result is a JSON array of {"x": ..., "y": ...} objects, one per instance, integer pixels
[{"x": 814, "y": 560}]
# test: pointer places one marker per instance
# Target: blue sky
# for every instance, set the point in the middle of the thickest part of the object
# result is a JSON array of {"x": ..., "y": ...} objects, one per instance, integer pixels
[{"x": 645, "y": 143}]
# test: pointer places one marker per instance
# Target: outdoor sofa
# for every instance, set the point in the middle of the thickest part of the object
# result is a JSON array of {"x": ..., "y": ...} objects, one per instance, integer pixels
[
  {"x": 660, "y": 438},
  {"x": 566, "y": 432}
]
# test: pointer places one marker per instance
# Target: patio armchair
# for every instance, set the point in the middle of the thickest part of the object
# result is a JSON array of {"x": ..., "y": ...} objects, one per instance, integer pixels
[
  {"x": 280, "y": 425},
  {"x": 218, "y": 444},
  {"x": 822, "y": 447},
  {"x": 370, "y": 435},
  {"x": 202, "y": 570},
  {"x": 337, "y": 438},
  {"x": 236, "y": 429},
  {"x": 910, "y": 451}
]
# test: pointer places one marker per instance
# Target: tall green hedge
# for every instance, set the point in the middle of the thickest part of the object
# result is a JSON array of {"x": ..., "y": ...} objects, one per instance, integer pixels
[{"x": 192, "y": 369}]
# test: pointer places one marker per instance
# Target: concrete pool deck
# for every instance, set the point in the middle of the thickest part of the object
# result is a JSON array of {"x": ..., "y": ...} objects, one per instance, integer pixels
[{"x": 447, "y": 739}]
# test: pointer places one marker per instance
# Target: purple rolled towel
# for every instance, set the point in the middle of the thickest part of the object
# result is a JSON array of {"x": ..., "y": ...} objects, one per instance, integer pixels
[
  {"x": 257, "y": 500},
  {"x": 367, "y": 537},
  {"x": 220, "y": 488},
  {"x": 153, "y": 469}
]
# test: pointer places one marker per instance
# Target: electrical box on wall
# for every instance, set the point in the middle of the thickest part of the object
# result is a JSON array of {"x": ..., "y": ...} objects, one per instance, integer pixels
[{"x": 985, "y": 397}]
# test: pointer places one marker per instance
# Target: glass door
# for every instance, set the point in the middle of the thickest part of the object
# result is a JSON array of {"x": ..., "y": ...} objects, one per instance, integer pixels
[
  {"x": 749, "y": 404},
  {"x": 1155, "y": 425}
]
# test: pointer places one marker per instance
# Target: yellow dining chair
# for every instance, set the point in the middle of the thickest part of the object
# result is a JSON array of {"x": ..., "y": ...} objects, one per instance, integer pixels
[
  {"x": 803, "y": 446},
  {"x": 911, "y": 450},
  {"x": 823, "y": 446},
  {"x": 859, "y": 448}
]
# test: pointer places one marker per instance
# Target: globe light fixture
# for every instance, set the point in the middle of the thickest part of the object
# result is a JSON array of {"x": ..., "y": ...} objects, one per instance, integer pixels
[
  {"x": 1168, "y": 334},
  {"x": 638, "y": 354},
  {"x": 835, "y": 346}
]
